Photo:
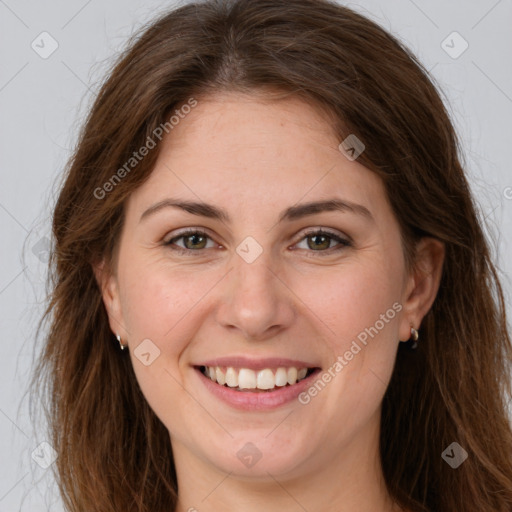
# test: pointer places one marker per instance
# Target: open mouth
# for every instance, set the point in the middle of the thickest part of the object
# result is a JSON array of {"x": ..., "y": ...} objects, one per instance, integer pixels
[{"x": 256, "y": 381}]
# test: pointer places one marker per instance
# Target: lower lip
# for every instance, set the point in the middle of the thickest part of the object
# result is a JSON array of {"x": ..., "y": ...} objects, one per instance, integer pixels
[{"x": 257, "y": 401}]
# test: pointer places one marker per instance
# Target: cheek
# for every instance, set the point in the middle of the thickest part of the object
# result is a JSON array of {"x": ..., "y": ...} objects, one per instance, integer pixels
[
  {"x": 164, "y": 305},
  {"x": 353, "y": 299},
  {"x": 359, "y": 308},
  {"x": 157, "y": 301}
]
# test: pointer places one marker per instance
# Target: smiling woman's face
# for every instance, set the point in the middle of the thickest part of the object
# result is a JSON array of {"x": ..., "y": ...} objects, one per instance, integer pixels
[{"x": 261, "y": 292}]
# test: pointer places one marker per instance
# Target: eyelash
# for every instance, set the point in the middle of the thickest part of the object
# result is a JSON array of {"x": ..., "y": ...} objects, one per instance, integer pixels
[{"x": 342, "y": 242}]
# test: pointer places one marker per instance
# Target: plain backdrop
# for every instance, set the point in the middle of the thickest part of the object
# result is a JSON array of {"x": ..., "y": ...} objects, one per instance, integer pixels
[{"x": 43, "y": 99}]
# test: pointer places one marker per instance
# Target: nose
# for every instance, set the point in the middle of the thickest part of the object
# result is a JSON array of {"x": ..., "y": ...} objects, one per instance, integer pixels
[{"x": 255, "y": 300}]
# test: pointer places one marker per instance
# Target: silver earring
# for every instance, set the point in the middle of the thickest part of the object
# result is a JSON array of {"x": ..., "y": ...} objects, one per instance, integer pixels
[
  {"x": 120, "y": 342},
  {"x": 414, "y": 336}
]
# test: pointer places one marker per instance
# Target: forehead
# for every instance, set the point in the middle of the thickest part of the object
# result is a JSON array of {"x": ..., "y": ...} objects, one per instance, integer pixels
[
  {"x": 242, "y": 150},
  {"x": 233, "y": 125}
]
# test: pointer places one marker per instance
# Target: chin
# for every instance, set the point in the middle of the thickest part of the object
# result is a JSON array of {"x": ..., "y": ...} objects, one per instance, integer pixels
[{"x": 255, "y": 456}]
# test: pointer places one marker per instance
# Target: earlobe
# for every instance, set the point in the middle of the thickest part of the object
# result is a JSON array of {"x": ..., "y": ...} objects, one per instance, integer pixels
[
  {"x": 109, "y": 288},
  {"x": 422, "y": 285}
]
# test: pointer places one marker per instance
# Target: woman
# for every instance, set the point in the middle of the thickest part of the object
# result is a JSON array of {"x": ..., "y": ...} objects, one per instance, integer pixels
[{"x": 267, "y": 210}]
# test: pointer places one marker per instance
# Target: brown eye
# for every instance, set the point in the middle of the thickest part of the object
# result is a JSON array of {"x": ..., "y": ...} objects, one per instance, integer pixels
[
  {"x": 321, "y": 241},
  {"x": 195, "y": 241},
  {"x": 192, "y": 241}
]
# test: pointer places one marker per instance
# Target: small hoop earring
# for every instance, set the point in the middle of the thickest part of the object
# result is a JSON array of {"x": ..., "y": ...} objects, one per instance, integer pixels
[
  {"x": 120, "y": 342},
  {"x": 414, "y": 336}
]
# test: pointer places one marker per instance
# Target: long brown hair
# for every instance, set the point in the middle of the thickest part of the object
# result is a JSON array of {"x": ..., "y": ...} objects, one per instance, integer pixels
[{"x": 113, "y": 452}]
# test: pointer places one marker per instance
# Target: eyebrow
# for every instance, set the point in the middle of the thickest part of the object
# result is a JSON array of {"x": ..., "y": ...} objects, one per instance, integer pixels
[{"x": 292, "y": 213}]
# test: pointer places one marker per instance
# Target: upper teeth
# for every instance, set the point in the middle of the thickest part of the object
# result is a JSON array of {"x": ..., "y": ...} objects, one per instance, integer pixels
[{"x": 245, "y": 378}]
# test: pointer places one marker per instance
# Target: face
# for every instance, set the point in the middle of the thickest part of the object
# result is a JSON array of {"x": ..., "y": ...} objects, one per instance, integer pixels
[{"x": 259, "y": 289}]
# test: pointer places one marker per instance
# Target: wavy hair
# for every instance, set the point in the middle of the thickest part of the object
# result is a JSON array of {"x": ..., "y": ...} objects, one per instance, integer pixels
[{"x": 113, "y": 452}]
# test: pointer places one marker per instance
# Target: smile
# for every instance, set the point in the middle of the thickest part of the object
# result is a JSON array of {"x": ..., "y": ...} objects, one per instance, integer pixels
[
  {"x": 256, "y": 384},
  {"x": 247, "y": 379}
]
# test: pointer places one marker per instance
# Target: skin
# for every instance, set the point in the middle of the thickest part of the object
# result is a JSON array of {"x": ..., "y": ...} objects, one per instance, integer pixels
[{"x": 254, "y": 158}]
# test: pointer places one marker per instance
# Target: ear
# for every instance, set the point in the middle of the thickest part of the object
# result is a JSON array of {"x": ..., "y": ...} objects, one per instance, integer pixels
[
  {"x": 422, "y": 284},
  {"x": 109, "y": 288}
]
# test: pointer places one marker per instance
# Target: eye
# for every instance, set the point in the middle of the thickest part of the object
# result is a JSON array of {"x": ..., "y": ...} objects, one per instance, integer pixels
[
  {"x": 193, "y": 240},
  {"x": 320, "y": 241}
]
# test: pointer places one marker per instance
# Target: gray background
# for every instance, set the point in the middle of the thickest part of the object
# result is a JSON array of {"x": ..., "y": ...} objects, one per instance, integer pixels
[{"x": 43, "y": 100}]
